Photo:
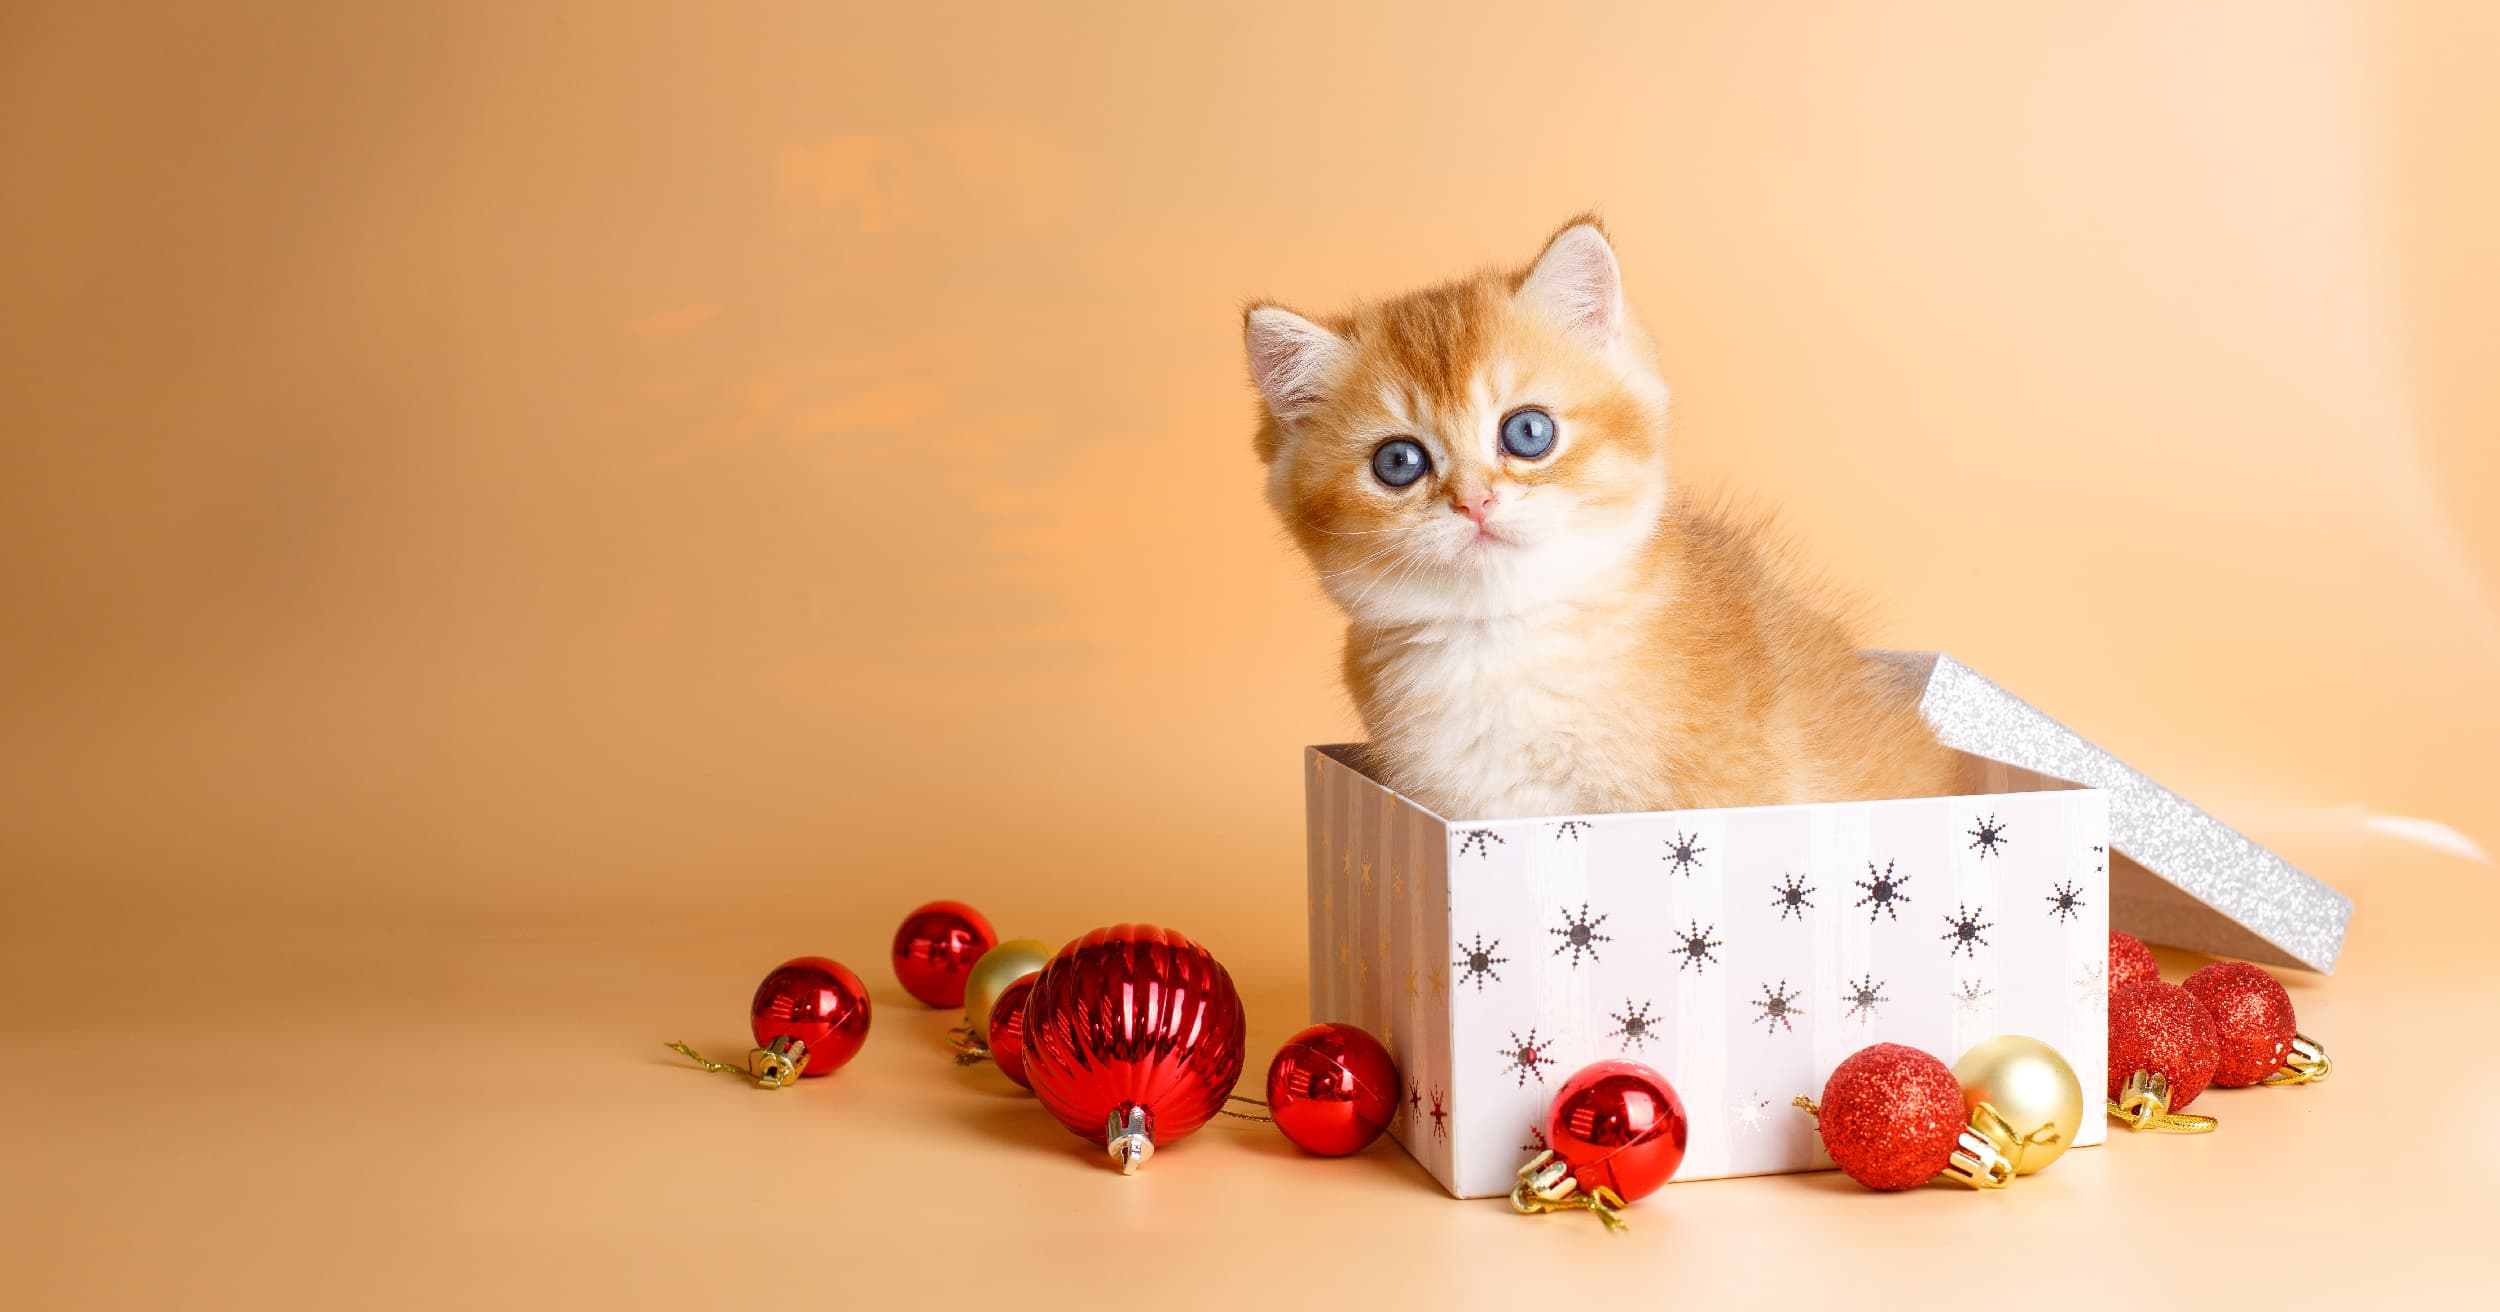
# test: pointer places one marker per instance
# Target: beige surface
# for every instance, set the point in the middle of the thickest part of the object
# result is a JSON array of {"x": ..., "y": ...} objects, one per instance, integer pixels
[{"x": 515, "y": 520}]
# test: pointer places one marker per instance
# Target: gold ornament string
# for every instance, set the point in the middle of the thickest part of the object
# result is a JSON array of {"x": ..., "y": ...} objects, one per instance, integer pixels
[
  {"x": 748, "y": 1073},
  {"x": 1243, "y": 1116}
]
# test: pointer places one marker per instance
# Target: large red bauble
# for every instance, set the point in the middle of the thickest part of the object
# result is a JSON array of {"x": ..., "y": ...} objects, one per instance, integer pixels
[
  {"x": 2253, "y": 1022},
  {"x": 2162, "y": 1028},
  {"x": 1133, "y": 1024},
  {"x": 1007, "y": 1030},
  {"x": 1891, "y": 1116},
  {"x": 935, "y": 948},
  {"x": 1332, "y": 1089},
  {"x": 2130, "y": 963},
  {"x": 1619, "y": 1125},
  {"x": 817, "y": 1001}
]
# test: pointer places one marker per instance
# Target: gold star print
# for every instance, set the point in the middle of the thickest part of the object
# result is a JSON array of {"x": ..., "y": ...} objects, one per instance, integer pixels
[
  {"x": 1345, "y": 952},
  {"x": 1384, "y": 944},
  {"x": 1363, "y": 973},
  {"x": 1367, "y": 875},
  {"x": 1410, "y": 981},
  {"x": 1347, "y": 863},
  {"x": 1397, "y": 884},
  {"x": 1439, "y": 985}
]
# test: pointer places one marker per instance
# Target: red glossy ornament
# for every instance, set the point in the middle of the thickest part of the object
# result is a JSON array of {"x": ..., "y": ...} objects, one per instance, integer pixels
[
  {"x": 2163, "y": 1030},
  {"x": 812, "y": 1001},
  {"x": 935, "y": 948},
  {"x": 1332, "y": 1089},
  {"x": 1891, "y": 1116},
  {"x": 1620, "y": 1126},
  {"x": 1006, "y": 1036},
  {"x": 2130, "y": 963},
  {"x": 1133, "y": 1038}
]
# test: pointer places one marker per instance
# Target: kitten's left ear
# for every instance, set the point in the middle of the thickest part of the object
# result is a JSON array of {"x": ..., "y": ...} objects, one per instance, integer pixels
[
  {"x": 1577, "y": 283},
  {"x": 1292, "y": 360}
]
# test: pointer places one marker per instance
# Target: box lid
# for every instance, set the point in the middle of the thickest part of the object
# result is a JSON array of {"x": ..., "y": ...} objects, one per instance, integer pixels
[{"x": 2177, "y": 876}]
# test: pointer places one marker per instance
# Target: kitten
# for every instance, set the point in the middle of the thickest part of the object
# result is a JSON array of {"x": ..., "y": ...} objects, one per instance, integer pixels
[{"x": 1537, "y": 625}]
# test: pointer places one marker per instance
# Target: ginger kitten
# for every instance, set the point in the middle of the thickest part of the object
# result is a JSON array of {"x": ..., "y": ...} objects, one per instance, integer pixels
[{"x": 1537, "y": 625}]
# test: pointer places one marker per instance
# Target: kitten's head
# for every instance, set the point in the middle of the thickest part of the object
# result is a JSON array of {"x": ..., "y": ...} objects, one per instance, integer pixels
[{"x": 1469, "y": 450}]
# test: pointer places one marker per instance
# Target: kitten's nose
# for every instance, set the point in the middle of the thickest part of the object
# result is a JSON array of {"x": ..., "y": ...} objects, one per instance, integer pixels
[{"x": 1473, "y": 504}]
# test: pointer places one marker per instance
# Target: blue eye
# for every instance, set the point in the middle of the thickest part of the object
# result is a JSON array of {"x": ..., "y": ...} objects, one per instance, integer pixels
[
  {"x": 1400, "y": 461},
  {"x": 1528, "y": 433}
]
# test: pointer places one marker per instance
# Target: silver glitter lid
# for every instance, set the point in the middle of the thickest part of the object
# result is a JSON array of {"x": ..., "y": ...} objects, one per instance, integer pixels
[{"x": 2177, "y": 876}]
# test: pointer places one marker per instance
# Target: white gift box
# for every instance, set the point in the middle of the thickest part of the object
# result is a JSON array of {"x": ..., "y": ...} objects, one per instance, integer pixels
[
  {"x": 1746, "y": 952},
  {"x": 1742, "y": 952}
]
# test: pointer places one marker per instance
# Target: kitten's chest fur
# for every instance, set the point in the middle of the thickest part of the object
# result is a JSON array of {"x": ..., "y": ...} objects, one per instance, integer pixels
[{"x": 1525, "y": 715}]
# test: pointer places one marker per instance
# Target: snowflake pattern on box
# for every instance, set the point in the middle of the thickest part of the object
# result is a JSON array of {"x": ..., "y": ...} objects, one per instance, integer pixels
[{"x": 1785, "y": 939}]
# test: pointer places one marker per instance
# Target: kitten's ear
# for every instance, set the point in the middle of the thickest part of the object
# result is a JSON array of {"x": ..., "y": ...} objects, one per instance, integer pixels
[
  {"x": 1577, "y": 283},
  {"x": 1292, "y": 360}
]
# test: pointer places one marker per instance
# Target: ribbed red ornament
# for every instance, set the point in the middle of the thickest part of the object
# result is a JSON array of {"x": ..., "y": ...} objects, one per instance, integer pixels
[
  {"x": 934, "y": 950},
  {"x": 1332, "y": 1089},
  {"x": 1619, "y": 1125},
  {"x": 1891, "y": 1116},
  {"x": 2130, "y": 963},
  {"x": 2253, "y": 1022},
  {"x": 1007, "y": 1031},
  {"x": 2162, "y": 1028},
  {"x": 1133, "y": 1038},
  {"x": 816, "y": 1001}
]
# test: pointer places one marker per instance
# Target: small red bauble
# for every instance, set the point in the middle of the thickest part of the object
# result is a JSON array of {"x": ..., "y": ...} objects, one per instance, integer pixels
[
  {"x": 1332, "y": 1089},
  {"x": 816, "y": 1001},
  {"x": 2161, "y": 1028},
  {"x": 1891, "y": 1116},
  {"x": 1006, "y": 1035},
  {"x": 1132, "y": 1038},
  {"x": 1619, "y": 1125},
  {"x": 935, "y": 948},
  {"x": 2130, "y": 963},
  {"x": 2253, "y": 1024}
]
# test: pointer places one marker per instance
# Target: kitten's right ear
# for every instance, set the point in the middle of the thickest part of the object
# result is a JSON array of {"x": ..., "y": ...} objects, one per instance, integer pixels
[{"x": 1292, "y": 360}]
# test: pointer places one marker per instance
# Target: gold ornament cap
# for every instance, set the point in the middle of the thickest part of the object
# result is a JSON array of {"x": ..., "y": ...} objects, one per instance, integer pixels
[
  {"x": 2144, "y": 1104},
  {"x": 1546, "y": 1185},
  {"x": 2306, "y": 1063},
  {"x": 776, "y": 1065}
]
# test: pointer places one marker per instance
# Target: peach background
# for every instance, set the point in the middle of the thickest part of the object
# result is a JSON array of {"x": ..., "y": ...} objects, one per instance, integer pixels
[{"x": 515, "y": 518}]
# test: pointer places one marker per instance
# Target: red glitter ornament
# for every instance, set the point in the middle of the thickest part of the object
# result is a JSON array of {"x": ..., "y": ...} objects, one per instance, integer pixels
[
  {"x": 2253, "y": 1024},
  {"x": 1620, "y": 1126},
  {"x": 935, "y": 948},
  {"x": 1133, "y": 1038},
  {"x": 1893, "y": 1117},
  {"x": 1006, "y": 1037},
  {"x": 2161, "y": 1029},
  {"x": 2130, "y": 963},
  {"x": 809, "y": 1016},
  {"x": 1332, "y": 1089}
]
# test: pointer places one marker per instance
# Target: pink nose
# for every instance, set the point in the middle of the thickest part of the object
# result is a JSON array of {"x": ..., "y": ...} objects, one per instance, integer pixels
[{"x": 1474, "y": 506}]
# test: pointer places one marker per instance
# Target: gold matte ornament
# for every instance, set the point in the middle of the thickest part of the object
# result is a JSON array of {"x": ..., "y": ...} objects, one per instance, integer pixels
[
  {"x": 2023, "y": 1099},
  {"x": 999, "y": 967}
]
